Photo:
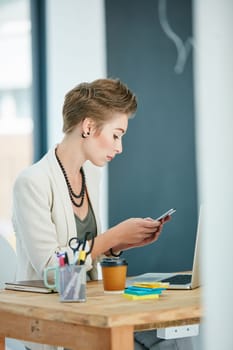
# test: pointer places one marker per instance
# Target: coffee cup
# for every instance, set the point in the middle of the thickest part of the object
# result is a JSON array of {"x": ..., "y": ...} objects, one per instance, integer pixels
[
  {"x": 51, "y": 278},
  {"x": 114, "y": 271}
]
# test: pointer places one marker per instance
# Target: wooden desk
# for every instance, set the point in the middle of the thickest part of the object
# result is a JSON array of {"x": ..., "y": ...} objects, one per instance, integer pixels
[{"x": 103, "y": 322}]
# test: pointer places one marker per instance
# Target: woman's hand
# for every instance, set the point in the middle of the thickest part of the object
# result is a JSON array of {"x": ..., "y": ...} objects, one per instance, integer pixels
[{"x": 138, "y": 232}]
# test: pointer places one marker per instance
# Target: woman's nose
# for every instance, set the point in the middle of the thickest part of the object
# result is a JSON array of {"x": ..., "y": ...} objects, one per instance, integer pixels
[{"x": 119, "y": 148}]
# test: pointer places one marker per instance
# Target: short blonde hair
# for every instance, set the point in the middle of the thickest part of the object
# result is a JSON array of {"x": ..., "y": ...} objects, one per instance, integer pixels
[{"x": 97, "y": 100}]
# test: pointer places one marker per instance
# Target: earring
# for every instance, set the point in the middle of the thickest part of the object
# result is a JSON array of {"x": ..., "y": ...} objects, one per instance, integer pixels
[{"x": 85, "y": 135}]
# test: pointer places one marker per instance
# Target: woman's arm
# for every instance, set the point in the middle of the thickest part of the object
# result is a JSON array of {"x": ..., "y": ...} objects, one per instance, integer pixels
[
  {"x": 35, "y": 228},
  {"x": 134, "y": 232}
]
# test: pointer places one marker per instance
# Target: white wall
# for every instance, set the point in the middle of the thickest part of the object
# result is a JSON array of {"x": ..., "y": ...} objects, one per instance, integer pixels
[
  {"x": 213, "y": 28},
  {"x": 76, "y": 52}
]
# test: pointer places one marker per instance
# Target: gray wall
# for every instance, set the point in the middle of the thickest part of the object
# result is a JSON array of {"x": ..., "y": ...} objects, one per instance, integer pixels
[{"x": 157, "y": 168}]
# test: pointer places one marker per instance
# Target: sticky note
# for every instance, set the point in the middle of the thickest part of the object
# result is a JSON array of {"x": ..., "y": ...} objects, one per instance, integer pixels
[
  {"x": 141, "y": 297},
  {"x": 152, "y": 284},
  {"x": 142, "y": 291}
]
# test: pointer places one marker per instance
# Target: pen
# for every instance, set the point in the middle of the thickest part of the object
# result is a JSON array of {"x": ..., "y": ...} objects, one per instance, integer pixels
[
  {"x": 61, "y": 260},
  {"x": 70, "y": 286},
  {"x": 82, "y": 257},
  {"x": 76, "y": 258},
  {"x": 66, "y": 259},
  {"x": 82, "y": 254}
]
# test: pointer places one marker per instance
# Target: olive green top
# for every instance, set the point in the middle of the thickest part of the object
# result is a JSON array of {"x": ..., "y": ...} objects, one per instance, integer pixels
[{"x": 88, "y": 224}]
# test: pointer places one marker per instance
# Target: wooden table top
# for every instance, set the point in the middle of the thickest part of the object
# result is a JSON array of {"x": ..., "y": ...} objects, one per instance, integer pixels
[{"x": 174, "y": 307}]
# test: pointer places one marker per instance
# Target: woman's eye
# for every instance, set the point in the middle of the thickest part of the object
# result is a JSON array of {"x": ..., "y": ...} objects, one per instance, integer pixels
[{"x": 116, "y": 137}]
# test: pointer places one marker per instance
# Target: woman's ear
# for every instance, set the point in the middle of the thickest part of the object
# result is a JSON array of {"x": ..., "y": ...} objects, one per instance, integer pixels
[{"x": 88, "y": 125}]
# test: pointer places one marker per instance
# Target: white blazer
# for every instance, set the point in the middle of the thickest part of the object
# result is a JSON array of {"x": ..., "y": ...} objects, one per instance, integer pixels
[{"x": 43, "y": 216}]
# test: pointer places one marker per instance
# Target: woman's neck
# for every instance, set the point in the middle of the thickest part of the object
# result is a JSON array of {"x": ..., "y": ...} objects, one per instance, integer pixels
[{"x": 70, "y": 156}]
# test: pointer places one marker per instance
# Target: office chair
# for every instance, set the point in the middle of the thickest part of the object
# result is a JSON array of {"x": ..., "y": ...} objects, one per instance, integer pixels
[
  {"x": 7, "y": 262},
  {"x": 7, "y": 273}
]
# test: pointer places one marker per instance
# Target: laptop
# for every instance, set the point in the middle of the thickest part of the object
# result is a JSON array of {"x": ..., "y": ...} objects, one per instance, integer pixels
[{"x": 177, "y": 280}]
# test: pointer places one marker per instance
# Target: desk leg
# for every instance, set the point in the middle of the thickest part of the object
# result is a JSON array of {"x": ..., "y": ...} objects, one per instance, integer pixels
[
  {"x": 2, "y": 343},
  {"x": 121, "y": 338}
]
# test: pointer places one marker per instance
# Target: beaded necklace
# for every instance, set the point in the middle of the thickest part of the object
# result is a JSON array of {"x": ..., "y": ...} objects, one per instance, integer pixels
[{"x": 72, "y": 194}]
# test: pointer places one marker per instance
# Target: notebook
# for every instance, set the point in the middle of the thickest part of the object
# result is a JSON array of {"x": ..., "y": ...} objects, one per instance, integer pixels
[
  {"x": 28, "y": 286},
  {"x": 178, "y": 280}
]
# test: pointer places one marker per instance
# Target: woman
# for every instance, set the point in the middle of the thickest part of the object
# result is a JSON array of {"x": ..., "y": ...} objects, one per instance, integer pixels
[
  {"x": 57, "y": 197},
  {"x": 47, "y": 212}
]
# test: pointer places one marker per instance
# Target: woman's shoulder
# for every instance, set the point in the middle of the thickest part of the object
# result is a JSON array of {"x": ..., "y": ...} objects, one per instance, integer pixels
[{"x": 36, "y": 172}]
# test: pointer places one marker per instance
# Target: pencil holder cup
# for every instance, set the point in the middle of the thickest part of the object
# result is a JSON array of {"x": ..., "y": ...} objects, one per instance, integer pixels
[
  {"x": 72, "y": 283},
  {"x": 114, "y": 271}
]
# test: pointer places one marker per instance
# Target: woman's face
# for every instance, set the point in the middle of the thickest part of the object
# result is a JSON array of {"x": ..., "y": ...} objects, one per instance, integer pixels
[{"x": 102, "y": 147}]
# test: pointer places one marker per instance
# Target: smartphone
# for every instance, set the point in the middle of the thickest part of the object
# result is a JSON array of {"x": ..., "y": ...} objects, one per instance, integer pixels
[{"x": 169, "y": 212}]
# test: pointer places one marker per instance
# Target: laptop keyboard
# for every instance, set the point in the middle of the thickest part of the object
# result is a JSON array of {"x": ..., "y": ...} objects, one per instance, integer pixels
[{"x": 178, "y": 279}]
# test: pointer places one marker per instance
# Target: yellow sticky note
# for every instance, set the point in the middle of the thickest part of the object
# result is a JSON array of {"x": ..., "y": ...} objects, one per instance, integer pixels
[
  {"x": 141, "y": 297},
  {"x": 151, "y": 284}
]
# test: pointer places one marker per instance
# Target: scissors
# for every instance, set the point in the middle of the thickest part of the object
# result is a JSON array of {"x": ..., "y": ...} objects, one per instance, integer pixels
[{"x": 75, "y": 244}]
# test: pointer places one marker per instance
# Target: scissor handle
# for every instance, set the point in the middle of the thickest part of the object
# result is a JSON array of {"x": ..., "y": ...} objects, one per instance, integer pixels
[{"x": 74, "y": 243}]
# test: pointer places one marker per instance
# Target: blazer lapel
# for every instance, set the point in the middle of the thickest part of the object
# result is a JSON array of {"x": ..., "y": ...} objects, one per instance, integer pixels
[{"x": 61, "y": 186}]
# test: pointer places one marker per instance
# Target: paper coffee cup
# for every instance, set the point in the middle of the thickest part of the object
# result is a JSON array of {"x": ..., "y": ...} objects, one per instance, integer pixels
[{"x": 114, "y": 271}]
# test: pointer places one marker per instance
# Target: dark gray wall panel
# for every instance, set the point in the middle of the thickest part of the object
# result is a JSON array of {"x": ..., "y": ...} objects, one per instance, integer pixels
[{"x": 157, "y": 168}]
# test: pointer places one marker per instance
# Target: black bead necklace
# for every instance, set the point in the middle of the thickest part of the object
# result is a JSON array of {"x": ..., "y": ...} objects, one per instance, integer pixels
[{"x": 71, "y": 192}]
